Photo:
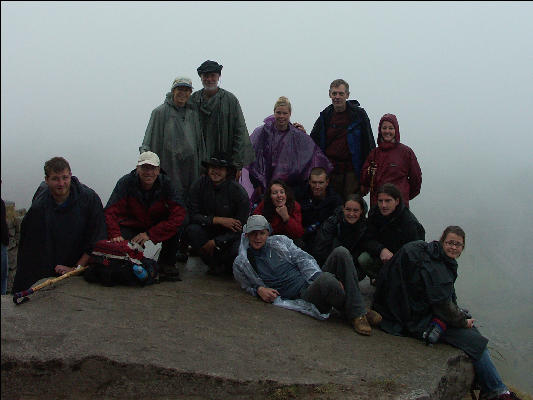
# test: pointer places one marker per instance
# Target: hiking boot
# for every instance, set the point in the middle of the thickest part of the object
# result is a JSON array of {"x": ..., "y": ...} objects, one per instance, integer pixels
[
  {"x": 373, "y": 317},
  {"x": 169, "y": 273},
  {"x": 361, "y": 326}
]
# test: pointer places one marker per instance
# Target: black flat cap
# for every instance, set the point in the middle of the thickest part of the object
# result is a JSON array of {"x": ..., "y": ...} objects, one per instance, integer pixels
[{"x": 209, "y": 66}]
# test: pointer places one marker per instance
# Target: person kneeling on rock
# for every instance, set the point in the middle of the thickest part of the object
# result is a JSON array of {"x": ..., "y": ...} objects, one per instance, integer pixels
[{"x": 273, "y": 266}]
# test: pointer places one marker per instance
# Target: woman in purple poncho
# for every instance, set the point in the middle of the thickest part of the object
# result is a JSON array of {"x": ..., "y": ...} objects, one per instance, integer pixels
[{"x": 282, "y": 151}]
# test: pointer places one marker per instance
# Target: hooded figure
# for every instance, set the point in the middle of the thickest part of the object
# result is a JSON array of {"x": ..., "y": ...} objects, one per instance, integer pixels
[{"x": 391, "y": 162}]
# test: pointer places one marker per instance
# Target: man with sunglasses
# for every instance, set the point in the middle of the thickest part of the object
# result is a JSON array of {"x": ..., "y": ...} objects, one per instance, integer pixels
[{"x": 218, "y": 207}]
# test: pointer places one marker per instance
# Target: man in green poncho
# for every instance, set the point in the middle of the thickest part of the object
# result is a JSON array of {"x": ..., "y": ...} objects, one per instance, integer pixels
[
  {"x": 174, "y": 134},
  {"x": 222, "y": 120}
]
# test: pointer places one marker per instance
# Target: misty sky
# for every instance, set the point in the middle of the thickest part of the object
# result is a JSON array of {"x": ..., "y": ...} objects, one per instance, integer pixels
[{"x": 80, "y": 80}]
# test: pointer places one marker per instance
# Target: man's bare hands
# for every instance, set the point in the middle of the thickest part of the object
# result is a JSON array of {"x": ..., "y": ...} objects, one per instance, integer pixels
[
  {"x": 62, "y": 269},
  {"x": 299, "y": 126},
  {"x": 268, "y": 295},
  {"x": 209, "y": 247},
  {"x": 228, "y": 223},
  {"x": 117, "y": 239},
  {"x": 385, "y": 255},
  {"x": 141, "y": 238}
]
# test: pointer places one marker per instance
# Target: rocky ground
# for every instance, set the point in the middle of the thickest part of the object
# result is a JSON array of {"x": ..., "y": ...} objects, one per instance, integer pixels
[{"x": 205, "y": 338}]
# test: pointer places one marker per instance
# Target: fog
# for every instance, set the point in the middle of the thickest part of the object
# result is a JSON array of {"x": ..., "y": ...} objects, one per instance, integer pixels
[{"x": 80, "y": 80}]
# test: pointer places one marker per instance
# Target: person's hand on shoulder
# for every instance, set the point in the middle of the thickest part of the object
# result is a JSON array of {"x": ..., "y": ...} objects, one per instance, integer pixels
[{"x": 299, "y": 126}]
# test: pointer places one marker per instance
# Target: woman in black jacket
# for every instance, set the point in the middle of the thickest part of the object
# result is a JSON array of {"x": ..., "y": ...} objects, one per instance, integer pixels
[
  {"x": 347, "y": 227},
  {"x": 390, "y": 225},
  {"x": 416, "y": 297}
]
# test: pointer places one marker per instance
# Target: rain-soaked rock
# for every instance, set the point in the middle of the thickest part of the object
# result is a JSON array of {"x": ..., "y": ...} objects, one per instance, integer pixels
[{"x": 205, "y": 338}]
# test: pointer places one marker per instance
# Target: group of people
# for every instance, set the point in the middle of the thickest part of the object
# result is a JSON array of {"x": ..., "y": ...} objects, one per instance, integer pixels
[{"x": 302, "y": 231}]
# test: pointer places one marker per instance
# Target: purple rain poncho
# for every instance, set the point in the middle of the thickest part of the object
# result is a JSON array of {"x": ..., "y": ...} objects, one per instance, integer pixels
[{"x": 289, "y": 155}]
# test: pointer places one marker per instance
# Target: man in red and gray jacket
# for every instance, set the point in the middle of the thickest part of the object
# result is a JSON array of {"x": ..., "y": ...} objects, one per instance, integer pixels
[{"x": 144, "y": 206}]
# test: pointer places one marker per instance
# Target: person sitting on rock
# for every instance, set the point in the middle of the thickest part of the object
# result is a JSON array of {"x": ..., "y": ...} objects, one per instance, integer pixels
[
  {"x": 57, "y": 233},
  {"x": 282, "y": 211},
  {"x": 218, "y": 207},
  {"x": 347, "y": 228},
  {"x": 390, "y": 225},
  {"x": 416, "y": 296},
  {"x": 318, "y": 202},
  {"x": 273, "y": 266},
  {"x": 145, "y": 206}
]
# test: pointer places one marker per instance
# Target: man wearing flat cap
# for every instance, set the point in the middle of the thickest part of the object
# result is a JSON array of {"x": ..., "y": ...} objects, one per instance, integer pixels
[
  {"x": 218, "y": 207},
  {"x": 174, "y": 134},
  {"x": 222, "y": 120},
  {"x": 145, "y": 205}
]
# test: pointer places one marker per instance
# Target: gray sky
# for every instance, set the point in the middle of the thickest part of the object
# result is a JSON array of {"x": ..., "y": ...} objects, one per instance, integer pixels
[{"x": 81, "y": 79}]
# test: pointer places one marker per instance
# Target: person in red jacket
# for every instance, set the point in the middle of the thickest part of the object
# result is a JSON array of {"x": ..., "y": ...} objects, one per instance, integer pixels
[
  {"x": 282, "y": 212},
  {"x": 391, "y": 162},
  {"x": 144, "y": 206}
]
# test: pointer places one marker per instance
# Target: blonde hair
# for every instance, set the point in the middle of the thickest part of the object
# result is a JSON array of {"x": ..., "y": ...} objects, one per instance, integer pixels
[{"x": 283, "y": 101}]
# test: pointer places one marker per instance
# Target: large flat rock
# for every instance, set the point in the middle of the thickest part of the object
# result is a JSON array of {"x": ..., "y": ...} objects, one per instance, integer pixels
[{"x": 204, "y": 337}]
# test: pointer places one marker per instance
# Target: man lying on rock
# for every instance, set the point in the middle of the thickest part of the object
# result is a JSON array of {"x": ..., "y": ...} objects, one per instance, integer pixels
[
  {"x": 57, "y": 233},
  {"x": 271, "y": 266},
  {"x": 144, "y": 206}
]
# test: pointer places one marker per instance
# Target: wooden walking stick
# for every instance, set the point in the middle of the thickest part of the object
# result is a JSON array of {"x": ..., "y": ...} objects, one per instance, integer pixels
[{"x": 21, "y": 297}]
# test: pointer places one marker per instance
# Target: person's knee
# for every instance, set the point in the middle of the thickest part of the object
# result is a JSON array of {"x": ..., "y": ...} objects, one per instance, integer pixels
[
  {"x": 341, "y": 251},
  {"x": 196, "y": 234},
  {"x": 365, "y": 259},
  {"x": 329, "y": 281}
]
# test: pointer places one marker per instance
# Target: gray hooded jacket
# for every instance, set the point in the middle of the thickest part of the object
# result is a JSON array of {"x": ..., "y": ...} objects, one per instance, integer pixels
[{"x": 249, "y": 280}]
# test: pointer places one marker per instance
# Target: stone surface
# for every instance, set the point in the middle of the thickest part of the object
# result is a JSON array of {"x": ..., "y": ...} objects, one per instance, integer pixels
[{"x": 205, "y": 338}]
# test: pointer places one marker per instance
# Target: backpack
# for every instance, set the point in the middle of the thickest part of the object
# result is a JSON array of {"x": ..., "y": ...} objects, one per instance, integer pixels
[{"x": 113, "y": 264}]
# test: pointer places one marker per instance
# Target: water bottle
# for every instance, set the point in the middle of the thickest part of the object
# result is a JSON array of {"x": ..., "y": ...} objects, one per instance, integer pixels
[
  {"x": 434, "y": 331},
  {"x": 140, "y": 272}
]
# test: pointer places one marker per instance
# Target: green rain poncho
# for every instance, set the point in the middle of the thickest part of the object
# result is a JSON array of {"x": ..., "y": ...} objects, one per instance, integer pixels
[
  {"x": 176, "y": 137},
  {"x": 223, "y": 126}
]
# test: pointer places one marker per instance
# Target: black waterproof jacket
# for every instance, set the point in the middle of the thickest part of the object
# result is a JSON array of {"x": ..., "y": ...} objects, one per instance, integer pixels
[
  {"x": 53, "y": 235},
  {"x": 315, "y": 213},
  {"x": 416, "y": 285},
  {"x": 392, "y": 231},
  {"x": 227, "y": 199},
  {"x": 335, "y": 232}
]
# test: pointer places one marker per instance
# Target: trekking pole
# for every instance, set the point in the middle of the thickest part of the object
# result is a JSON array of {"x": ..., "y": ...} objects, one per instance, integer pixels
[
  {"x": 21, "y": 297},
  {"x": 372, "y": 171}
]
